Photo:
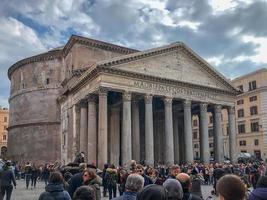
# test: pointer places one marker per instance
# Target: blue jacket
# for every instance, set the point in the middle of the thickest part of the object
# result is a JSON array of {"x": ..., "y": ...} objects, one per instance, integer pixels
[
  {"x": 6, "y": 177},
  {"x": 55, "y": 191},
  {"x": 258, "y": 194},
  {"x": 127, "y": 196}
]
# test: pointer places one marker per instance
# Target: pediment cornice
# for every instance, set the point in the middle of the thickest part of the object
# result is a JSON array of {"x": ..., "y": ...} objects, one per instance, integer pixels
[{"x": 95, "y": 43}]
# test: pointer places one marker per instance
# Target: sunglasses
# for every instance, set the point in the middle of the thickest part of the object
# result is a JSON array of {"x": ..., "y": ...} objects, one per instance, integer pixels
[{"x": 85, "y": 175}]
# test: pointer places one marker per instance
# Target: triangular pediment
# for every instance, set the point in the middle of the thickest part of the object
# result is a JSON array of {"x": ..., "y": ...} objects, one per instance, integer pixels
[{"x": 172, "y": 63}]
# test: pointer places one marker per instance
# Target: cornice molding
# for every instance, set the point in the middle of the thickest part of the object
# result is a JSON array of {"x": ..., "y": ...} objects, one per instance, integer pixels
[
  {"x": 33, "y": 124},
  {"x": 95, "y": 43},
  {"x": 50, "y": 55}
]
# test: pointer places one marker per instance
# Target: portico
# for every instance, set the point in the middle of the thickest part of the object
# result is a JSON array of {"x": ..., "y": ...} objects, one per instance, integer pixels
[{"x": 140, "y": 106}]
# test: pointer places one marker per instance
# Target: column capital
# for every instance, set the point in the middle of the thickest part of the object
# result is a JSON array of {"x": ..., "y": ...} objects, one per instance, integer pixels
[
  {"x": 127, "y": 96},
  {"x": 187, "y": 103},
  {"x": 83, "y": 103},
  {"x": 231, "y": 110},
  {"x": 203, "y": 106},
  {"x": 217, "y": 108},
  {"x": 103, "y": 91},
  {"x": 167, "y": 100},
  {"x": 148, "y": 98},
  {"x": 91, "y": 98}
]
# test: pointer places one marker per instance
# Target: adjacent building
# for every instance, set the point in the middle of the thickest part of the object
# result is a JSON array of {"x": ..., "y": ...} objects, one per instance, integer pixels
[
  {"x": 4, "y": 115},
  {"x": 251, "y": 113}
]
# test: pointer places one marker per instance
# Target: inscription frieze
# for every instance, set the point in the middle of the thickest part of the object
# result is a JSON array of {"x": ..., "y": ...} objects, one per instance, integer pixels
[{"x": 174, "y": 91}]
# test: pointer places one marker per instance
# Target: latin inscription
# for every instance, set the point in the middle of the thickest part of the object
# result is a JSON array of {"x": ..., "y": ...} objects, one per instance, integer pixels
[{"x": 174, "y": 91}]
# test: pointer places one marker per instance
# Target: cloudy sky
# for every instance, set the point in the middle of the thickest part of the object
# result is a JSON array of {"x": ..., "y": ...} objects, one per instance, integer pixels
[{"x": 230, "y": 34}]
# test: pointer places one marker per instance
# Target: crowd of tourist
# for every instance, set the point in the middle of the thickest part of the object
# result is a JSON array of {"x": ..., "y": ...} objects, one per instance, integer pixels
[{"x": 136, "y": 181}]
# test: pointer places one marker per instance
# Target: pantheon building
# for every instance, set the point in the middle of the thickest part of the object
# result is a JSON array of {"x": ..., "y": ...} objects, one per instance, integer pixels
[{"x": 116, "y": 104}]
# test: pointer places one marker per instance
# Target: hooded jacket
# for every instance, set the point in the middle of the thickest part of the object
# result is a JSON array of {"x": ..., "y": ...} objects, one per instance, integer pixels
[
  {"x": 258, "y": 194},
  {"x": 95, "y": 184},
  {"x": 153, "y": 192},
  {"x": 55, "y": 191}
]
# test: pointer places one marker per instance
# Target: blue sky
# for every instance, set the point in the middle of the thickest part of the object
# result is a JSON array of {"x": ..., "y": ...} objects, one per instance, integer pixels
[{"x": 229, "y": 34}]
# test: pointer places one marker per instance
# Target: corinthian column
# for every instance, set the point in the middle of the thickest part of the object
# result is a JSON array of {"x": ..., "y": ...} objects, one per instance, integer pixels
[
  {"x": 232, "y": 134},
  {"x": 115, "y": 135},
  {"x": 92, "y": 134},
  {"x": 149, "y": 140},
  {"x": 189, "y": 157},
  {"x": 135, "y": 131},
  {"x": 102, "y": 129},
  {"x": 83, "y": 129},
  {"x": 218, "y": 137},
  {"x": 126, "y": 129},
  {"x": 204, "y": 134},
  {"x": 169, "y": 149}
]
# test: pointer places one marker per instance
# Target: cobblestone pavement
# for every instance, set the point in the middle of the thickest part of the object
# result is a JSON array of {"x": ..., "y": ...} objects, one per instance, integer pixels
[{"x": 21, "y": 193}]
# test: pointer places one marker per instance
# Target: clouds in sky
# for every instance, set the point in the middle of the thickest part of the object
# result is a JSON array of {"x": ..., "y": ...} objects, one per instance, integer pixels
[{"x": 230, "y": 34}]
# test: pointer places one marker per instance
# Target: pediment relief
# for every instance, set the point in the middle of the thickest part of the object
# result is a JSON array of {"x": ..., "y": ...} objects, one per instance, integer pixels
[{"x": 175, "y": 65}]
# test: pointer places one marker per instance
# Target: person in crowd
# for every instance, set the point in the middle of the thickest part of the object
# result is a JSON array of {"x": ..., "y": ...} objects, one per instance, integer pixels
[
  {"x": 112, "y": 179},
  {"x": 122, "y": 177},
  {"x": 260, "y": 193},
  {"x": 7, "y": 178},
  {"x": 79, "y": 158},
  {"x": 174, "y": 188},
  {"x": 84, "y": 193},
  {"x": 104, "y": 181},
  {"x": 45, "y": 174},
  {"x": 55, "y": 188},
  {"x": 140, "y": 171},
  {"x": 134, "y": 184},
  {"x": 90, "y": 179},
  {"x": 185, "y": 181},
  {"x": 76, "y": 180},
  {"x": 28, "y": 174},
  {"x": 196, "y": 181},
  {"x": 34, "y": 176},
  {"x": 217, "y": 174},
  {"x": 174, "y": 171},
  {"x": 153, "y": 192},
  {"x": 230, "y": 187}
]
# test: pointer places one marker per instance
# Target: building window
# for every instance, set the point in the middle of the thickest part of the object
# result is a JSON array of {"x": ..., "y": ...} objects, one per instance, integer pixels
[
  {"x": 47, "y": 81},
  {"x": 240, "y": 101},
  {"x": 253, "y": 98},
  {"x": 210, "y": 145},
  {"x": 240, "y": 87},
  {"x": 210, "y": 132},
  {"x": 256, "y": 142},
  {"x": 240, "y": 113},
  {"x": 196, "y": 145},
  {"x": 252, "y": 85},
  {"x": 195, "y": 134},
  {"x": 195, "y": 122},
  {"x": 244, "y": 151},
  {"x": 241, "y": 128},
  {"x": 211, "y": 119},
  {"x": 254, "y": 126},
  {"x": 4, "y": 137},
  {"x": 242, "y": 143},
  {"x": 253, "y": 110},
  {"x": 5, "y": 119}
]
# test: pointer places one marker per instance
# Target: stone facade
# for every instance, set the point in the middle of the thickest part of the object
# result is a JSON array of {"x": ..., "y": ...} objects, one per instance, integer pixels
[
  {"x": 4, "y": 118},
  {"x": 116, "y": 104}
]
